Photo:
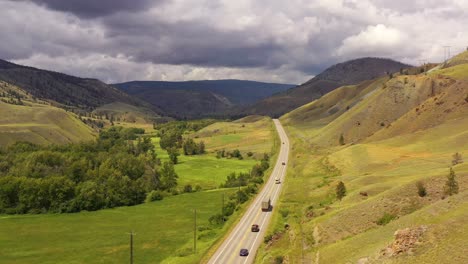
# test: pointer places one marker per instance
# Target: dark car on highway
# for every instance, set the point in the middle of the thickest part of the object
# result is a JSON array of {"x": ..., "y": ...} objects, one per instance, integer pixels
[
  {"x": 244, "y": 252},
  {"x": 255, "y": 228}
]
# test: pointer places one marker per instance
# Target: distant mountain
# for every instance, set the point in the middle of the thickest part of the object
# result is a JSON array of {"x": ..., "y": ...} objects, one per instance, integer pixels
[
  {"x": 346, "y": 73},
  {"x": 69, "y": 91},
  {"x": 194, "y": 99}
]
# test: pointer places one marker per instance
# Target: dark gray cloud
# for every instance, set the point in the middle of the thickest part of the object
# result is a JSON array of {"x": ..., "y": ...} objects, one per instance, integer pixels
[
  {"x": 268, "y": 40},
  {"x": 95, "y": 8}
]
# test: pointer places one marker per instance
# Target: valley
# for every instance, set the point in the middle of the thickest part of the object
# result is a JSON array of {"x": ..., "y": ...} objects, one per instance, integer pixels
[
  {"x": 370, "y": 167},
  {"x": 103, "y": 234}
]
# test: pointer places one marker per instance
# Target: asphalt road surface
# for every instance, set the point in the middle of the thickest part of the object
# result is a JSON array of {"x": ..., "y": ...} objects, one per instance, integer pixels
[{"x": 242, "y": 236}]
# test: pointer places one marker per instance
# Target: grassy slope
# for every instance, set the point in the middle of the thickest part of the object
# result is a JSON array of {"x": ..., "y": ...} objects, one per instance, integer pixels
[
  {"x": 39, "y": 123},
  {"x": 247, "y": 134},
  {"x": 129, "y": 115},
  {"x": 385, "y": 162}
]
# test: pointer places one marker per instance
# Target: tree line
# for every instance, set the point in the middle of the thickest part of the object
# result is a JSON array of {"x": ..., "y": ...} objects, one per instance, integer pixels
[{"x": 119, "y": 169}]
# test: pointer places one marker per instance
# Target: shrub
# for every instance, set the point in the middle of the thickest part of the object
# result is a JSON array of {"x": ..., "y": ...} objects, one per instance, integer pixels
[
  {"x": 451, "y": 186},
  {"x": 268, "y": 238},
  {"x": 154, "y": 196},
  {"x": 216, "y": 219},
  {"x": 188, "y": 188},
  {"x": 385, "y": 219},
  {"x": 340, "y": 190},
  {"x": 198, "y": 188},
  {"x": 284, "y": 213},
  {"x": 249, "y": 154},
  {"x": 457, "y": 159},
  {"x": 342, "y": 141},
  {"x": 421, "y": 189},
  {"x": 279, "y": 260}
]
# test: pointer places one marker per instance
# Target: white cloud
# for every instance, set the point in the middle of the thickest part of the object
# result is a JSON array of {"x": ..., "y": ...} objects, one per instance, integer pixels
[{"x": 378, "y": 40}]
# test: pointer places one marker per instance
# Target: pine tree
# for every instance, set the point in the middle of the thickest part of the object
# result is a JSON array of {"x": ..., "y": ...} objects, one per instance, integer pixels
[
  {"x": 451, "y": 186},
  {"x": 340, "y": 190}
]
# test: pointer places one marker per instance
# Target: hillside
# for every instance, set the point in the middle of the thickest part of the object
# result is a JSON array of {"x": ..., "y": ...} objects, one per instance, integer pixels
[
  {"x": 68, "y": 91},
  {"x": 200, "y": 98},
  {"x": 37, "y": 121},
  {"x": 396, "y": 132},
  {"x": 346, "y": 73}
]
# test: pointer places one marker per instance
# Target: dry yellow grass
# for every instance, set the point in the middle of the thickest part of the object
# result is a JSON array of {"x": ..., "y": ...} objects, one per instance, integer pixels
[
  {"x": 425, "y": 123},
  {"x": 39, "y": 122}
]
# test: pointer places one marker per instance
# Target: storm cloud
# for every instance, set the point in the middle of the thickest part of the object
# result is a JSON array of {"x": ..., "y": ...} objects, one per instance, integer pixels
[
  {"x": 266, "y": 40},
  {"x": 94, "y": 8}
]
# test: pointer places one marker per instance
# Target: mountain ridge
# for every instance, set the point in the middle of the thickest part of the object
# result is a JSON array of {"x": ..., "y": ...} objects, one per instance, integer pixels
[
  {"x": 205, "y": 97},
  {"x": 345, "y": 73}
]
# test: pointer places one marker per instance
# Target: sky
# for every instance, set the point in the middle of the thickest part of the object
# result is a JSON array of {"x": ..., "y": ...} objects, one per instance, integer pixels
[{"x": 264, "y": 40}]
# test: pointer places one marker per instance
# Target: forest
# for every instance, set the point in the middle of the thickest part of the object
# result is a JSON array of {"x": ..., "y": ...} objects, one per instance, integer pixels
[{"x": 119, "y": 169}]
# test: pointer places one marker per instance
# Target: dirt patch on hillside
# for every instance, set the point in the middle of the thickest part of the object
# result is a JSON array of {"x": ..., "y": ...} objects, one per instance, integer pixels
[{"x": 405, "y": 241}]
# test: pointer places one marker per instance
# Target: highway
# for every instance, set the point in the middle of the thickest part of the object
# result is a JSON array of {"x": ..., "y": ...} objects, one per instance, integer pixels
[{"x": 242, "y": 236}]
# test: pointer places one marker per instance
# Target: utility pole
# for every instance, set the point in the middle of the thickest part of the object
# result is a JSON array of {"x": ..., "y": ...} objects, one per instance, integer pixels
[
  {"x": 195, "y": 231},
  {"x": 446, "y": 53},
  {"x": 131, "y": 247},
  {"x": 222, "y": 206}
]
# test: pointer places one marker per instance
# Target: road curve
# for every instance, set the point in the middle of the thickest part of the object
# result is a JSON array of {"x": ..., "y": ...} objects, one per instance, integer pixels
[{"x": 241, "y": 236}]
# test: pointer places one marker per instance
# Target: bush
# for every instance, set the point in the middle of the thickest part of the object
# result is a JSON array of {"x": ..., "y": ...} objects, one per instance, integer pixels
[
  {"x": 154, "y": 196},
  {"x": 198, "y": 188},
  {"x": 216, "y": 219},
  {"x": 385, "y": 219},
  {"x": 279, "y": 260},
  {"x": 421, "y": 189},
  {"x": 340, "y": 190},
  {"x": 457, "y": 159},
  {"x": 342, "y": 141},
  {"x": 188, "y": 188},
  {"x": 249, "y": 154},
  {"x": 229, "y": 208},
  {"x": 451, "y": 186},
  {"x": 268, "y": 238},
  {"x": 284, "y": 213}
]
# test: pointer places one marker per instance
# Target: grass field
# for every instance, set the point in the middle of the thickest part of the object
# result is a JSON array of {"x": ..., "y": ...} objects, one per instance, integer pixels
[
  {"x": 164, "y": 233},
  {"x": 204, "y": 170},
  {"x": 247, "y": 134},
  {"x": 207, "y": 170}
]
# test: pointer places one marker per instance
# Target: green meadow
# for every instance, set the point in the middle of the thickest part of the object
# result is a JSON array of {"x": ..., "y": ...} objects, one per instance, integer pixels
[
  {"x": 164, "y": 233},
  {"x": 204, "y": 170}
]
